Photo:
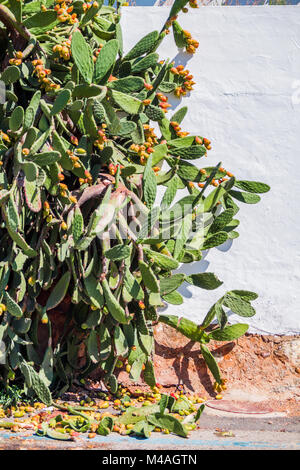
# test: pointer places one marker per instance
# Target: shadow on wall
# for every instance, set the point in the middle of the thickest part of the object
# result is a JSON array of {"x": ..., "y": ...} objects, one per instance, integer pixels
[
  {"x": 198, "y": 267},
  {"x": 182, "y": 58}
]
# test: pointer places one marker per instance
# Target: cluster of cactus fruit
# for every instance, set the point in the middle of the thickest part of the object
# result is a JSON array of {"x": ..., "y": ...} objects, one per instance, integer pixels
[{"x": 81, "y": 164}]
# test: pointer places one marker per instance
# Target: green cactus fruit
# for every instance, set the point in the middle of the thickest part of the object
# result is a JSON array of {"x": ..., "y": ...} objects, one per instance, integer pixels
[
  {"x": 154, "y": 113},
  {"x": 77, "y": 225}
]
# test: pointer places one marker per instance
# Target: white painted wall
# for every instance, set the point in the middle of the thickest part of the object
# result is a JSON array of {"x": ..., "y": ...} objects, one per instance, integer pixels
[{"x": 247, "y": 71}]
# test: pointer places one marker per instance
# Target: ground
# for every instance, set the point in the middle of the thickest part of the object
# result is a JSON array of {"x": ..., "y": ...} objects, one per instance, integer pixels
[
  {"x": 261, "y": 369},
  {"x": 260, "y": 409},
  {"x": 264, "y": 432}
]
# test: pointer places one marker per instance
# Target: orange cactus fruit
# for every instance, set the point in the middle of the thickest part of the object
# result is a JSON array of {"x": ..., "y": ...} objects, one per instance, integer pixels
[
  {"x": 148, "y": 86},
  {"x": 73, "y": 199}
]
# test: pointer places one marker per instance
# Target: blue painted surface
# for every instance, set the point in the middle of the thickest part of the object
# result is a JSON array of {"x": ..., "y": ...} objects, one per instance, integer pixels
[{"x": 169, "y": 441}]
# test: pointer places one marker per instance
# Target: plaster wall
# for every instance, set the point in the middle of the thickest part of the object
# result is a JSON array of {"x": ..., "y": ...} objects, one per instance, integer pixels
[{"x": 247, "y": 101}]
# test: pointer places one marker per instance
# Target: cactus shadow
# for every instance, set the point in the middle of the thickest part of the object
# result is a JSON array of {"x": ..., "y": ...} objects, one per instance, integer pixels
[
  {"x": 225, "y": 246},
  {"x": 182, "y": 58},
  {"x": 182, "y": 365},
  {"x": 196, "y": 267}
]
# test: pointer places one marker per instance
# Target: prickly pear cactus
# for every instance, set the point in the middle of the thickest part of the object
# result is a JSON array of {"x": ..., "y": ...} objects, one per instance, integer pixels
[{"x": 84, "y": 133}]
